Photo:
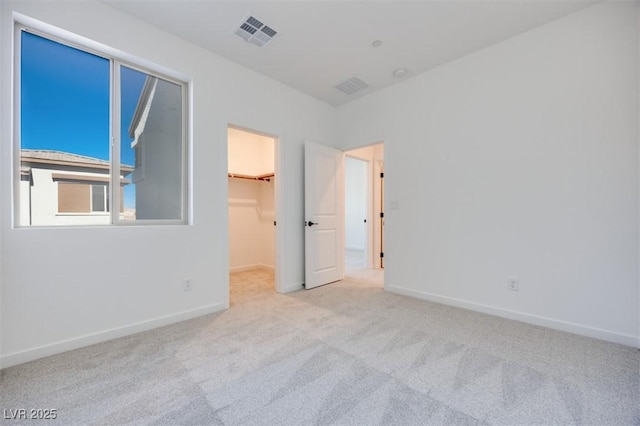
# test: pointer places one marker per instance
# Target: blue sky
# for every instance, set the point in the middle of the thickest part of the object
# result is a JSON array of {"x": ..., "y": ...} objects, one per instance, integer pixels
[{"x": 65, "y": 101}]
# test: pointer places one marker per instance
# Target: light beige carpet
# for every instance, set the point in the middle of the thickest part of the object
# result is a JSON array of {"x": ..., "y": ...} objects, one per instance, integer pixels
[{"x": 346, "y": 353}]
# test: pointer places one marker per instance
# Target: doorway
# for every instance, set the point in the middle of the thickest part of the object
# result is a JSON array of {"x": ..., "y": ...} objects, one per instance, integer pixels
[
  {"x": 357, "y": 213},
  {"x": 252, "y": 213},
  {"x": 364, "y": 213}
]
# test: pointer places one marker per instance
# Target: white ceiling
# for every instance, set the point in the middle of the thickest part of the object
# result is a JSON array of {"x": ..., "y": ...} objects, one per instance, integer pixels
[{"x": 321, "y": 43}]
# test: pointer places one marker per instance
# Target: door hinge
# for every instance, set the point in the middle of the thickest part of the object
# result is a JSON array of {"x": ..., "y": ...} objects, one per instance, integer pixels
[
  {"x": 381, "y": 214},
  {"x": 381, "y": 175},
  {"x": 274, "y": 223},
  {"x": 381, "y": 254}
]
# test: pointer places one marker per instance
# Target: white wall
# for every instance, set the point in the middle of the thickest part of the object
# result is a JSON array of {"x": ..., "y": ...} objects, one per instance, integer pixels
[
  {"x": 63, "y": 303},
  {"x": 520, "y": 160}
]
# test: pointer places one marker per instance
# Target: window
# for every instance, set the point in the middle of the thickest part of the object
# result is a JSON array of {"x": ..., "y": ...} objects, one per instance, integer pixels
[
  {"x": 99, "y": 198},
  {"x": 74, "y": 101}
]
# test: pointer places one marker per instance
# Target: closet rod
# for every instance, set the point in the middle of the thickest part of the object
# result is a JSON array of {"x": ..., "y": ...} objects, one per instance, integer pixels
[{"x": 265, "y": 177}]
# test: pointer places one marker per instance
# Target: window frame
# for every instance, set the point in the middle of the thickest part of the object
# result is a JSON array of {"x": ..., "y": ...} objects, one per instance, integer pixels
[{"x": 116, "y": 59}]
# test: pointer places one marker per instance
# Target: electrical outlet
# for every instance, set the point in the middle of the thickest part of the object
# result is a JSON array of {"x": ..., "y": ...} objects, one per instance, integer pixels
[
  {"x": 187, "y": 285},
  {"x": 513, "y": 284}
]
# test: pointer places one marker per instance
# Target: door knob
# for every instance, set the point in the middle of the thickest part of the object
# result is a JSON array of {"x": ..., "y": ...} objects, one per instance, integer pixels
[{"x": 311, "y": 223}]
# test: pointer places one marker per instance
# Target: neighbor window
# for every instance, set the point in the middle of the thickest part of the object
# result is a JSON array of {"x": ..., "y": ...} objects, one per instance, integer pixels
[
  {"x": 99, "y": 198},
  {"x": 73, "y": 198},
  {"x": 101, "y": 140}
]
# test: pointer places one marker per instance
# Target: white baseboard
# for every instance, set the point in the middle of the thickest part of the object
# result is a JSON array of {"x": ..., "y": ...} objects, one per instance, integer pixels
[
  {"x": 596, "y": 333},
  {"x": 292, "y": 287},
  {"x": 250, "y": 267},
  {"x": 21, "y": 357}
]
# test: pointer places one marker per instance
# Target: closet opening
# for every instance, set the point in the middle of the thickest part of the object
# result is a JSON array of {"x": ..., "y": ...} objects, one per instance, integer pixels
[{"x": 252, "y": 213}]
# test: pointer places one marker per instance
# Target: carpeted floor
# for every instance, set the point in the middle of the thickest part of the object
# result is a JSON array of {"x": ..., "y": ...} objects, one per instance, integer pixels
[{"x": 346, "y": 353}]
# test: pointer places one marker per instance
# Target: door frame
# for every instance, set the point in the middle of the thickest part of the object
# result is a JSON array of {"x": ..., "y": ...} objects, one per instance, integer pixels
[
  {"x": 278, "y": 201},
  {"x": 374, "y": 184},
  {"x": 378, "y": 229}
]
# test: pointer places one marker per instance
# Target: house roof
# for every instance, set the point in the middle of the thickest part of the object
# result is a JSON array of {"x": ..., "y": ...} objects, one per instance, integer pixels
[{"x": 67, "y": 159}]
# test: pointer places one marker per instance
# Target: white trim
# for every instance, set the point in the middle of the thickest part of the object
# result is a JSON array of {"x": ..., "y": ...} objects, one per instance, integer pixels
[
  {"x": 16, "y": 82},
  {"x": 596, "y": 333},
  {"x": 279, "y": 197},
  {"x": 114, "y": 141},
  {"x": 257, "y": 266},
  {"x": 289, "y": 288},
  {"x": 186, "y": 151},
  {"x": 21, "y": 357}
]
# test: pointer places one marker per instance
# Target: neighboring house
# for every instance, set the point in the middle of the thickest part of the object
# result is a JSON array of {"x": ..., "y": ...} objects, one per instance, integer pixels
[
  {"x": 64, "y": 188},
  {"x": 156, "y": 129}
]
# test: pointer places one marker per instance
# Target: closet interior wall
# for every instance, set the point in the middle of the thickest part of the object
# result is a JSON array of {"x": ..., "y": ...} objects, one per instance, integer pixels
[{"x": 251, "y": 230}]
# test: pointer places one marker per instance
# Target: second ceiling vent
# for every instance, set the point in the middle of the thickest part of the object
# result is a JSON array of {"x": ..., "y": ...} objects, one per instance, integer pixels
[
  {"x": 254, "y": 31},
  {"x": 351, "y": 86}
]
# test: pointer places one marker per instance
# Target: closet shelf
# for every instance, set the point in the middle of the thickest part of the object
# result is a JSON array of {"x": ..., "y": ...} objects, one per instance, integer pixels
[
  {"x": 269, "y": 214},
  {"x": 243, "y": 202},
  {"x": 266, "y": 177}
]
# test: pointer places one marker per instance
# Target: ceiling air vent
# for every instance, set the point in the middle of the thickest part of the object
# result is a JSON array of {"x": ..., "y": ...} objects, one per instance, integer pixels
[
  {"x": 255, "y": 31},
  {"x": 351, "y": 86}
]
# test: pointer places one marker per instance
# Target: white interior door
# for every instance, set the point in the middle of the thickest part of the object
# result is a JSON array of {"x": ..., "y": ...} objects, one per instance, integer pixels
[{"x": 324, "y": 215}]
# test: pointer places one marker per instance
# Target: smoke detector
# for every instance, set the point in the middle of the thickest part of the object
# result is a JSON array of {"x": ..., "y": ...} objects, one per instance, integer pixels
[
  {"x": 351, "y": 86},
  {"x": 254, "y": 31},
  {"x": 400, "y": 73}
]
